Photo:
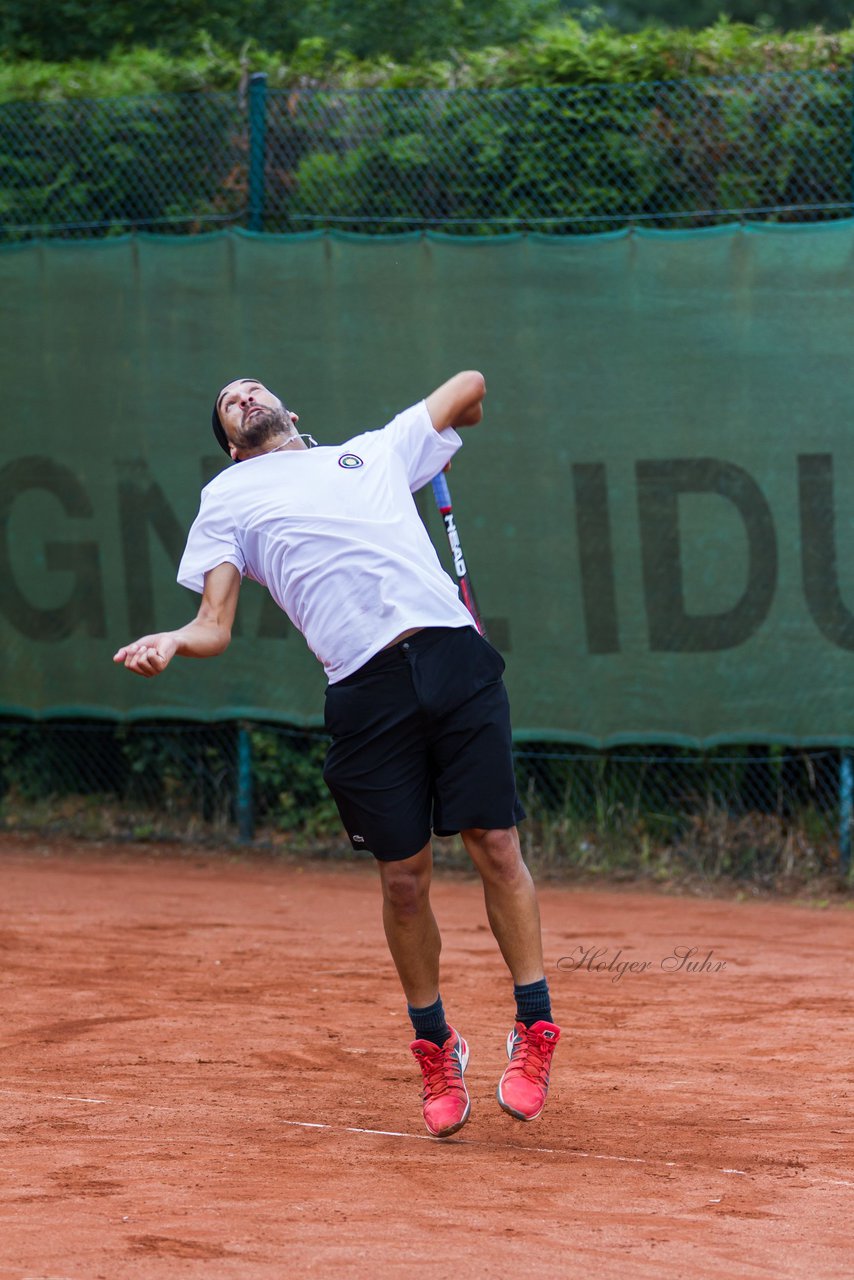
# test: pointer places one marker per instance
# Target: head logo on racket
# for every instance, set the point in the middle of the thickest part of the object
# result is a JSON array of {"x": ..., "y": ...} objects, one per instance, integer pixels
[{"x": 349, "y": 461}]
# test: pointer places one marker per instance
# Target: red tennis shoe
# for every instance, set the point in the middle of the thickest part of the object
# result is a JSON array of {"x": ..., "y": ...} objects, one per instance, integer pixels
[
  {"x": 445, "y": 1097},
  {"x": 524, "y": 1087}
]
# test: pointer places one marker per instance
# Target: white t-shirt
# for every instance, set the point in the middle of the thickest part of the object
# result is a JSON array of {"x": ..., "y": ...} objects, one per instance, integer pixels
[{"x": 334, "y": 535}]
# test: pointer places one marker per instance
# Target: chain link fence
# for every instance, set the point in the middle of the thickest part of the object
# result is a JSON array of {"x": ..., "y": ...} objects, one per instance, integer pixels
[
  {"x": 167, "y": 162},
  {"x": 474, "y": 161},
  {"x": 739, "y": 811}
]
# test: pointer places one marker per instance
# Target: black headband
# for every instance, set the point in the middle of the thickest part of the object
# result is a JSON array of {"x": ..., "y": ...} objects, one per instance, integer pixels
[{"x": 221, "y": 437}]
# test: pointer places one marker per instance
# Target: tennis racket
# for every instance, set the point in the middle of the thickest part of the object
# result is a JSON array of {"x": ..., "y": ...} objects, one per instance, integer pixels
[{"x": 442, "y": 494}]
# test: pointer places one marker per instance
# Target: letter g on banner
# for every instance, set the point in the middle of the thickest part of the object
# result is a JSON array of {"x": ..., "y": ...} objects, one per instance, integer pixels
[
  {"x": 84, "y": 605},
  {"x": 660, "y": 486}
]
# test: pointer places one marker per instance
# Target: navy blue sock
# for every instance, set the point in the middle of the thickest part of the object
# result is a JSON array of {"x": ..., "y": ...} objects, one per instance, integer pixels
[
  {"x": 429, "y": 1022},
  {"x": 533, "y": 1003}
]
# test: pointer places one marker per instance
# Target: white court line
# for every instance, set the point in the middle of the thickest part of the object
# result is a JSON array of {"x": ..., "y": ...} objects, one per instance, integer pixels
[
  {"x": 52, "y": 1097},
  {"x": 426, "y": 1137},
  {"x": 503, "y": 1146}
]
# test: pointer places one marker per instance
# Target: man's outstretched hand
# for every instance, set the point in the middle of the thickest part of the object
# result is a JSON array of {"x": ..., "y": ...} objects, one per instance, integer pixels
[{"x": 150, "y": 655}]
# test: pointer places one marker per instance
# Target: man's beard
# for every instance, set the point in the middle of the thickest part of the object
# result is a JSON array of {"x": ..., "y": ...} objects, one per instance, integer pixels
[{"x": 263, "y": 425}]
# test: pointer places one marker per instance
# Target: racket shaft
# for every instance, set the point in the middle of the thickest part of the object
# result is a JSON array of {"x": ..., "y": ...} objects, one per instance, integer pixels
[{"x": 442, "y": 494}]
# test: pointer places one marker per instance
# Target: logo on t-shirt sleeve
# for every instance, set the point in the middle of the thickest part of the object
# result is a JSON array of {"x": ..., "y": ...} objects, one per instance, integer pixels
[{"x": 349, "y": 461}]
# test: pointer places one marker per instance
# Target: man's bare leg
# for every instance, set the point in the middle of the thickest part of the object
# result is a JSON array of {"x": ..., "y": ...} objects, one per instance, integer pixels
[
  {"x": 415, "y": 944},
  {"x": 514, "y": 916},
  {"x": 511, "y": 900},
  {"x": 410, "y": 926}
]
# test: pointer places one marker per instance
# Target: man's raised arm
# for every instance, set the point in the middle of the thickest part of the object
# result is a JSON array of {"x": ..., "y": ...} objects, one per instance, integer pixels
[
  {"x": 207, "y": 635},
  {"x": 457, "y": 403}
]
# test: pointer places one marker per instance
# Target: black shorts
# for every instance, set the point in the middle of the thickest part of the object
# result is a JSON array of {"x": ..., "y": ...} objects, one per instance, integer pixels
[{"x": 421, "y": 741}]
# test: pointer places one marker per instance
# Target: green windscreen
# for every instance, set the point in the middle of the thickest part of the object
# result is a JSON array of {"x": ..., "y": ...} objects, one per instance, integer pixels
[{"x": 655, "y": 510}]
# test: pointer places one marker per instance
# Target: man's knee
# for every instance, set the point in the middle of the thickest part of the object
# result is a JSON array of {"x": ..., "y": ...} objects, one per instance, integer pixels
[
  {"x": 496, "y": 854},
  {"x": 406, "y": 884}
]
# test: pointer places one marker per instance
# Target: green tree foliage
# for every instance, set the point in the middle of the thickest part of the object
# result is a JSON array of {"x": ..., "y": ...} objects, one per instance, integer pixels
[
  {"x": 61, "y": 30},
  {"x": 782, "y": 15},
  {"x": 568, "y": 52},
  {"x": 405, "y": 29}
]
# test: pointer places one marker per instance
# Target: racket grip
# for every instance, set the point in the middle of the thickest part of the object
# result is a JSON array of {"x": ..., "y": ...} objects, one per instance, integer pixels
[{"x": 441, "y": 492}]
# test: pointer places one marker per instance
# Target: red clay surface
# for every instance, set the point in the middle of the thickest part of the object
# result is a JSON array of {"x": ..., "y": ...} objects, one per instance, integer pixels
[{"x": 199, "y": 1054}]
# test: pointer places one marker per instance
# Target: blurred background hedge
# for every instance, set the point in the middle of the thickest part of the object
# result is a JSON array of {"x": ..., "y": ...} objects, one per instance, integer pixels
[{"x": 71, "y": 48}]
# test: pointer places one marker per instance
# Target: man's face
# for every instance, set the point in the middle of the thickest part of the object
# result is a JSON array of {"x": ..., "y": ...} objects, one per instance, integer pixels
[{"x": 251, "y": 414}]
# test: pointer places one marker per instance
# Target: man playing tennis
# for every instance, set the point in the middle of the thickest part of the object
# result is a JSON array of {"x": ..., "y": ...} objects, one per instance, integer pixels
[{"x": 415, "y": 706}]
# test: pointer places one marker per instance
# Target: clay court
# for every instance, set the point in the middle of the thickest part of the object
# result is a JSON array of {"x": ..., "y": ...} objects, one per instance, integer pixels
[{"x": 206, "y": 1073}]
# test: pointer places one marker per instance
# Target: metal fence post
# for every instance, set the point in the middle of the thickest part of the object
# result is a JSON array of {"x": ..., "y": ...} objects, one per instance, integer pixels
[
  {"x": 846, "y": 810},
  {"x": 257, "y": 147},
  {"x": 243, "y": 801},
  {"x": 851, "y": 149}
]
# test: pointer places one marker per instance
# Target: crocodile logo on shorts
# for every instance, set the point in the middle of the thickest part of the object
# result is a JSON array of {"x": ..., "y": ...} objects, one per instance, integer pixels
[{"x": 349, "y": 461}]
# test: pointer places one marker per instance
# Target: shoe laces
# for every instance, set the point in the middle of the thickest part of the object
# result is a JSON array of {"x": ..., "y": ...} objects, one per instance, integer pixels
[
  {"x": 441, "y": 1070},
  {"x": 532, "y": 1055}
]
